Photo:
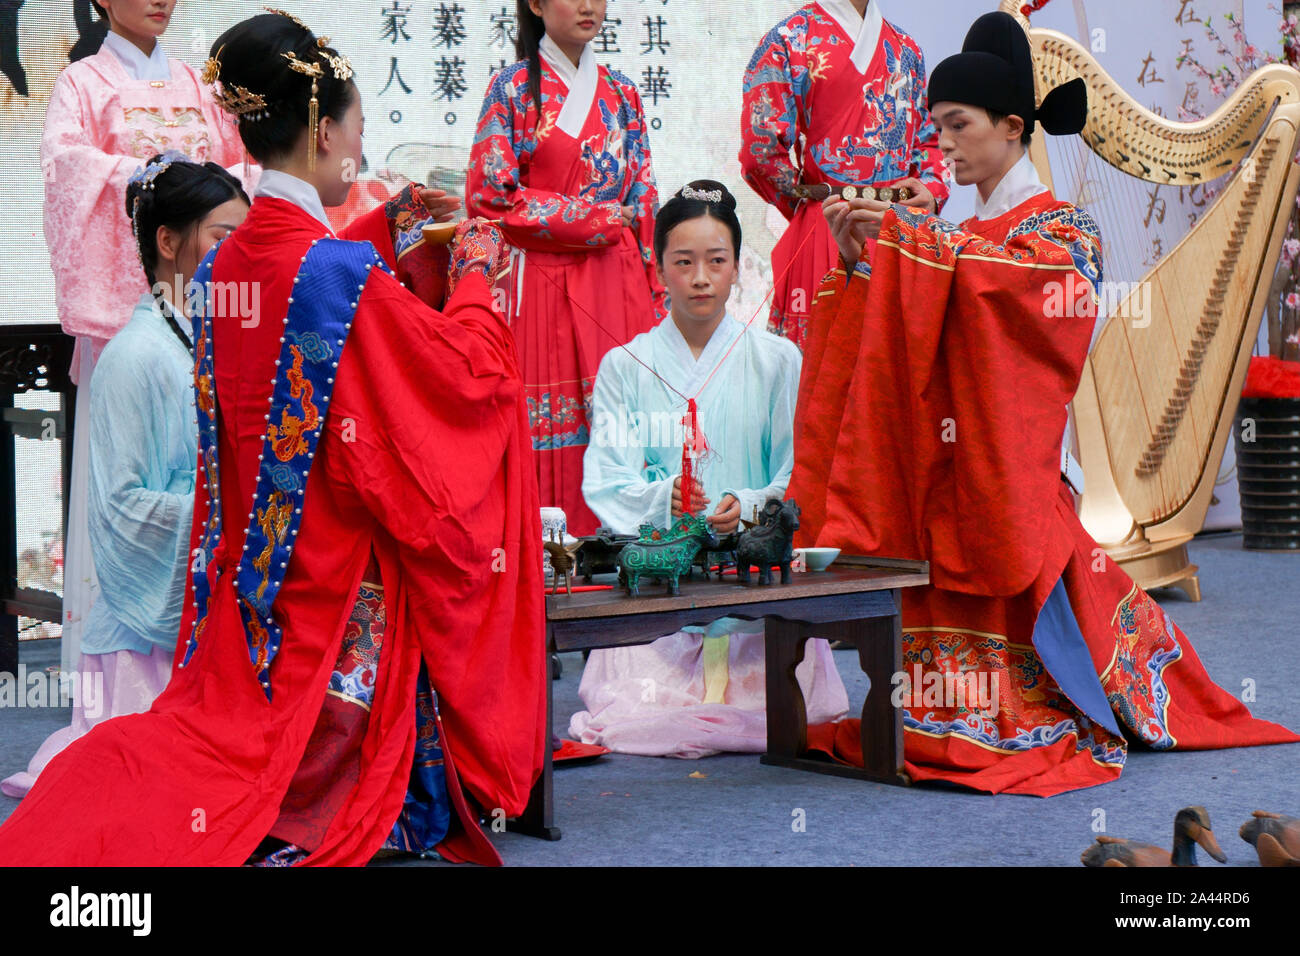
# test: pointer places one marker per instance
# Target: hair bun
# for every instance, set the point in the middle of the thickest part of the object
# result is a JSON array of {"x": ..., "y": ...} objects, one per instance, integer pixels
[{"x": 708, "y": 190}]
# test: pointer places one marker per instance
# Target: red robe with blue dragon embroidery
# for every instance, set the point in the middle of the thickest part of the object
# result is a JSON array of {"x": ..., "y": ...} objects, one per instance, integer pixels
[
  {"x": 423, "y": 462},
  {"x": 581, "y": 282},
  {"x": 929, "y": 425},
  {"x": 810, "y": 116}
]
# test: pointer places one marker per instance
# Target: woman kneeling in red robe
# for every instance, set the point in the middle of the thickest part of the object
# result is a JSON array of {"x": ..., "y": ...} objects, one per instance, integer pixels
[{"x": 361, "y": 659}]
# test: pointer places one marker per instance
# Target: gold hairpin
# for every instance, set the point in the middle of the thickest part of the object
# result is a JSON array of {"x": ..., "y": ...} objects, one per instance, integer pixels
[
  {"x": 302, "y": 66},
  {"x": 341, "y": 65},
  {"x": 238, "y": 101},
  {"x": 286, "y": 13},
  {"x": 212, "y": 68}
]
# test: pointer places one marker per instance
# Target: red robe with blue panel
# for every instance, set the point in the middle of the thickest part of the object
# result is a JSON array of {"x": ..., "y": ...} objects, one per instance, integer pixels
[
  {"x": 845, "y": 128},
  {"x": 581, "y": 283},
  {"x": 929, "y": 426},
  {"x": 395, "y": 431}
]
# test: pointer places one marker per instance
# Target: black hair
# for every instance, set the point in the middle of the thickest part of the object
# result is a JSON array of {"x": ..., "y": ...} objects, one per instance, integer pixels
[
  {"x": 995, "y": 118},
  {"x": 178, "y": 198},
  {"x": 529, "y": 30},
  {"x": 252, "y": 56},
  {"x": 680, "y": 209},
  {"x": 90, "y": 31}
]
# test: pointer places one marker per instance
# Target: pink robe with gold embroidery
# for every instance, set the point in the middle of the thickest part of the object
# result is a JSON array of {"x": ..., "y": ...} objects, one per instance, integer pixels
[{"x": 100, "y": 127}]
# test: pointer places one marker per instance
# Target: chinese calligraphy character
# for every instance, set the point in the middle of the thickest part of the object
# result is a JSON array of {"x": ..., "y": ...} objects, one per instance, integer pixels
[
  {"x": 606, "y": 41},
  {"x": 654, "y": 31},
  {"x": 1185, "y": 16},
  {"x": 1142, "y": 78},
  {"x": 1191, "y": 97},
  {"x": 1156, "y": 207},
  {"x": 449, "y": 25},
  {"x": 395, "y": 23},
  {"x": 1157, "y": 252},
  {"x": 503, "y": 29},
  {"x": 1191, "y": 194},
  {"x": 1185, "y": 55},
  {"x": 449, "y": 79},
  {"x": 395, "y": 74},
  {"x": 655, "y": 83}
]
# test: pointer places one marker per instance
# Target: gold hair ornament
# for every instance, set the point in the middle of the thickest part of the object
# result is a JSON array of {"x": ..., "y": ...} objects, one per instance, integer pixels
[
  {"x": 212, "y": 68},
  {"x": 239, "y": 101},
  {"x": 286, "y": 13},
  {"x": 315, "y": 71}
]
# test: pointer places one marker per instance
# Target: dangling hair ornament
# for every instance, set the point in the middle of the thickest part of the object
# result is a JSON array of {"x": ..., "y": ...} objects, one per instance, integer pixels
[
  {"x": 703, "y": 195},
  {"x": 313, "y": 107}
]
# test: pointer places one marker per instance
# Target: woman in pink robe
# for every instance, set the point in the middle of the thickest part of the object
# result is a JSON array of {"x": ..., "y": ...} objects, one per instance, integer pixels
[{"x": 109, "y": 113}]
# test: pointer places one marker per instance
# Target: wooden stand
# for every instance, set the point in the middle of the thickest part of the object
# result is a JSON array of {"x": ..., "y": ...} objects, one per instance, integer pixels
[{"x": 32, "y": 358}]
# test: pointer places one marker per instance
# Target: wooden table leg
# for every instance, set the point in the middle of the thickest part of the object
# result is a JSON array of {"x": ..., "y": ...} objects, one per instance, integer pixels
[
  {"x": 880, "y": 652},
  {"x": 787, "y": 712},
  {"x": 538, "y": 818}
]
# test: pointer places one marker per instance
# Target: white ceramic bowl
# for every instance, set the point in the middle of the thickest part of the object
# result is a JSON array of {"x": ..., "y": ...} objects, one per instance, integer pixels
[{"x": 819, "y": 559}]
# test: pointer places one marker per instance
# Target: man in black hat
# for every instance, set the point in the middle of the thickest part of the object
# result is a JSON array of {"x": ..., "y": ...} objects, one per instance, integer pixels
[{"x": 929, "y": 426}]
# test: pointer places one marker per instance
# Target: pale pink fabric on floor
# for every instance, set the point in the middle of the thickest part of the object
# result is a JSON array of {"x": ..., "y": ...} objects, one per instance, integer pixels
[
  {"x": 130, "y": 682},
  {"x": 648, "y": 700}
]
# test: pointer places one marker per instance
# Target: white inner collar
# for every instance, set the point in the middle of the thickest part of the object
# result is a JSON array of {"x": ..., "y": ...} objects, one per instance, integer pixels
[
  {"x": 692, "y": 372},
  {"x": 138, "y": 66},
  {"x": 1021, "y": 182},
  {"x": 559, "y": 61},
  {"x": 280, "y": 185},
  {"x": 580, "y": 80},
  {"x": 865, "y": 29}
]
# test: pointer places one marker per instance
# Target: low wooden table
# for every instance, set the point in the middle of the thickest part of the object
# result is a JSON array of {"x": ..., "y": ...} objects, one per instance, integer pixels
[{"x": 856, "y": 600}]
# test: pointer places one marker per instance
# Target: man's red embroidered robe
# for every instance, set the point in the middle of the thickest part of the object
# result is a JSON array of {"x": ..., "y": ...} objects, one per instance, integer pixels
[{"x": 929, "y": 426}]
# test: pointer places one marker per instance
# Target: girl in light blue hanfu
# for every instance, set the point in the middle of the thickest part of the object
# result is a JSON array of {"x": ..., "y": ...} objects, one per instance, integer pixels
[
  {"x": 697, "y": 692},
  {"x": 143, "y": 449}
]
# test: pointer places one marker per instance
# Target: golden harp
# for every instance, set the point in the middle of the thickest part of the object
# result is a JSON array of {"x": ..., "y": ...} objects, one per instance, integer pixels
[{"x": 1156, "y": 403}]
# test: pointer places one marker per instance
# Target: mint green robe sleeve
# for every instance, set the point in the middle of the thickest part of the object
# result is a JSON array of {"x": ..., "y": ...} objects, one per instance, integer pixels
[
  {"x": 782, "y": 367},
  {"x": 616, "y": 483}
]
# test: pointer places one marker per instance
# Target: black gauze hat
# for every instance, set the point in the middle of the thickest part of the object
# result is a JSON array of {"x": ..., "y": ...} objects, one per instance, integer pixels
[{"x": 995, "y": 70}]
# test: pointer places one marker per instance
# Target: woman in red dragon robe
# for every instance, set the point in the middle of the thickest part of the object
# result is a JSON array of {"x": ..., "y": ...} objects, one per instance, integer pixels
[
  {"x": 562, "y": 157},
  {"x": 845, "y": 90},
  {"x": 930, "y": 418},
  {"x": 361, "y": 658}
]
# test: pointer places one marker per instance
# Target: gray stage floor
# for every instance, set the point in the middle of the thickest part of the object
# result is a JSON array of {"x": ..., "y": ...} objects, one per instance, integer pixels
[{"x": 625, "y": 810}]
